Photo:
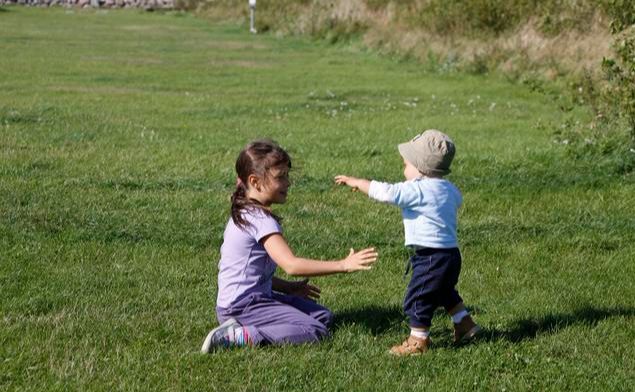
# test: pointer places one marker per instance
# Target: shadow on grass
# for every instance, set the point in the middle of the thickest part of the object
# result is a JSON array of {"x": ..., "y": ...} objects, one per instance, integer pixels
[
  {"x": 526, "y": 329},
  {"x": 379, "y": 319}
]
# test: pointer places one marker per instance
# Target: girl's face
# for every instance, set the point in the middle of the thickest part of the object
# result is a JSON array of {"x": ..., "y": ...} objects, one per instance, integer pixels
[
  {"x": 274, "y": 187},
  {"x": 409, "y": 171}
]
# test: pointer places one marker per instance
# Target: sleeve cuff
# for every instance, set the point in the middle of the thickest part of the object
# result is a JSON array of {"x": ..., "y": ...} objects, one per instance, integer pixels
[{"x": 380, "y": 191}]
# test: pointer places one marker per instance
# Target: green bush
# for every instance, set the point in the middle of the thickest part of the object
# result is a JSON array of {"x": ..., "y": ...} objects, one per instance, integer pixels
[
  {"x": 480, "y": 18},
  {"x": 620, "y": 73},
  {"x": 621, "y": 12},
  {"x": 558, "y": 16},
  {"x": 610, "y": 135},
  {"x": 485, "y": 16},
  {"x": 492, "y": 17}
]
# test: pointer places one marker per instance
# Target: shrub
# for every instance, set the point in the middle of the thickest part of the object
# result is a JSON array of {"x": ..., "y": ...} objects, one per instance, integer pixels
[
  {"x": 620, "y": 75},
  {"x": 483, "y": 17},
  {"x": 611, "y": 133},
  {"x": 621, "y": 12}
]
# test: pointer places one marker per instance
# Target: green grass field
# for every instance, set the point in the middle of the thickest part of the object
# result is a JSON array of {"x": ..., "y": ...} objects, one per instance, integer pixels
[{"x": 118, "y": 135}]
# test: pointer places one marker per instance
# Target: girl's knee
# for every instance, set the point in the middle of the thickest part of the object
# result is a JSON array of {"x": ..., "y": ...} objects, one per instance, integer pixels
[
  {"x": 325, "y": 317},
  {"x": 320, "y": 325},
  {"x": 321, "y": 332}
]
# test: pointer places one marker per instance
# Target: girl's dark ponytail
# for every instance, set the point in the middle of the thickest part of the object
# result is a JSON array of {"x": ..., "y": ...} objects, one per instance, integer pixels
[{"x": 239, "y": 202}]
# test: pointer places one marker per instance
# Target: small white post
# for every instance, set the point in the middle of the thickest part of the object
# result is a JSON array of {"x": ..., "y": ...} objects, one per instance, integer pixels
[{"x": 252, "y": 16}]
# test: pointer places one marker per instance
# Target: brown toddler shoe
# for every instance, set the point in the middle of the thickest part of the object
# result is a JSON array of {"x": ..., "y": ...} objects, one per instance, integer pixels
[
  {"x": 465, "y": 330},
  {"x": 411, "y": 346}
]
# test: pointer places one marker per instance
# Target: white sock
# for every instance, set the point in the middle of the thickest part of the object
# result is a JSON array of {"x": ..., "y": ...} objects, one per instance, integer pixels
[
  {"x": 458, "y": 316},
  {"x": 419, "y": 333}
]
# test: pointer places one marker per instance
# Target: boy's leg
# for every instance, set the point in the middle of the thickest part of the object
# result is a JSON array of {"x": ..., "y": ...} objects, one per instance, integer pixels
[
  {"x": 426, "y": 289},
  {"x": 456, "y": 309},
  {"x": 464, "y": 327},
  {"x": 271, "y": 321},
  {"x": 419, "y": 305},
  {"x": 433, "y": 272},
  {"x": 450, "y": 298}
]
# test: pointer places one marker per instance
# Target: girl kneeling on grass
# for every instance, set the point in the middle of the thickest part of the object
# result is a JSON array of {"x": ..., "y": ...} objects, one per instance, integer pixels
[{"x": 254, "y": 307}]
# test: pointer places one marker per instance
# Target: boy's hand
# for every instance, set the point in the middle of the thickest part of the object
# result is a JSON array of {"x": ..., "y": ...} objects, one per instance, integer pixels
[
  {"x": 345, "y": 180},
  {"x": 303, "y": 289},
  {"x": 358, "y": 261},
  {"x": 355, "y": 183}
]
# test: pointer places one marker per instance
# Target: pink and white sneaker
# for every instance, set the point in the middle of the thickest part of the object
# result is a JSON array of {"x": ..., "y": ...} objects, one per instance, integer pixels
[{"x": 228, "y": 334}]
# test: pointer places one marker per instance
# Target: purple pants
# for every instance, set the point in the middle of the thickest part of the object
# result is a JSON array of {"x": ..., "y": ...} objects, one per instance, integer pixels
[{"x": 279, "y": 319}]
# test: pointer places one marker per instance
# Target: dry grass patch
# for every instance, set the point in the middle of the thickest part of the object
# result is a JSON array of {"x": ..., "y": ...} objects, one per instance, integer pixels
[
  {"x": 234, "y": 45},
  {"x": 529, "y": 43},
  {"x": 97, "y": 90},
  {"x": 525, "y": 48}
]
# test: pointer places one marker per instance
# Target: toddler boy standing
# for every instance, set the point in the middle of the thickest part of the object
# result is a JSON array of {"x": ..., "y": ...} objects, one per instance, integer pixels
[{"x": 429, "y": 205}]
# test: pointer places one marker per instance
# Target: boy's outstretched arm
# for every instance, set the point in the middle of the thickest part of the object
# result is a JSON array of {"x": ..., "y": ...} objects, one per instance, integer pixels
[{"x": 355, "y": 183}]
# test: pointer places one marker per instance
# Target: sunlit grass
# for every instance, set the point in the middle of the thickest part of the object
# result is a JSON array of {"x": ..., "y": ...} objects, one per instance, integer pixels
[{"x": 118, "y": 134}]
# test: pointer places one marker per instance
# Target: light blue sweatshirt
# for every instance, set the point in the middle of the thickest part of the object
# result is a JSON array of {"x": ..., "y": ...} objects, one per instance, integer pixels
[{"x": 429, "y": 208}]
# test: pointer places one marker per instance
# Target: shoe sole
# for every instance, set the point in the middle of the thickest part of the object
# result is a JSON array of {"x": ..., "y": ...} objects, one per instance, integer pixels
[{"x": 207, "y": 343}]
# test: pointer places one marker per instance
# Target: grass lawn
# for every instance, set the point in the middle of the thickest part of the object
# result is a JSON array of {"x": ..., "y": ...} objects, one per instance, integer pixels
[{"x": 118, "y": 135}]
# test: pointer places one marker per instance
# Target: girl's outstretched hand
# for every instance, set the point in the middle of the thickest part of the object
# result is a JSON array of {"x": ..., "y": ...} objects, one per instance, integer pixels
[
  {"x": 362, "y": 260},
  {"x": 303, "y": 289}
]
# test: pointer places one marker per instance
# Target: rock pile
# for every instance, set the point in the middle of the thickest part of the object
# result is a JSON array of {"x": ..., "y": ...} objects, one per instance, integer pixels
[{"x": 146, "y": 4}]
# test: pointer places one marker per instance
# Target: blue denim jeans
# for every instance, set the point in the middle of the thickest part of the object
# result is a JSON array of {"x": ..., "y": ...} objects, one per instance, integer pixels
[{"x": 435, "y": 273}]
